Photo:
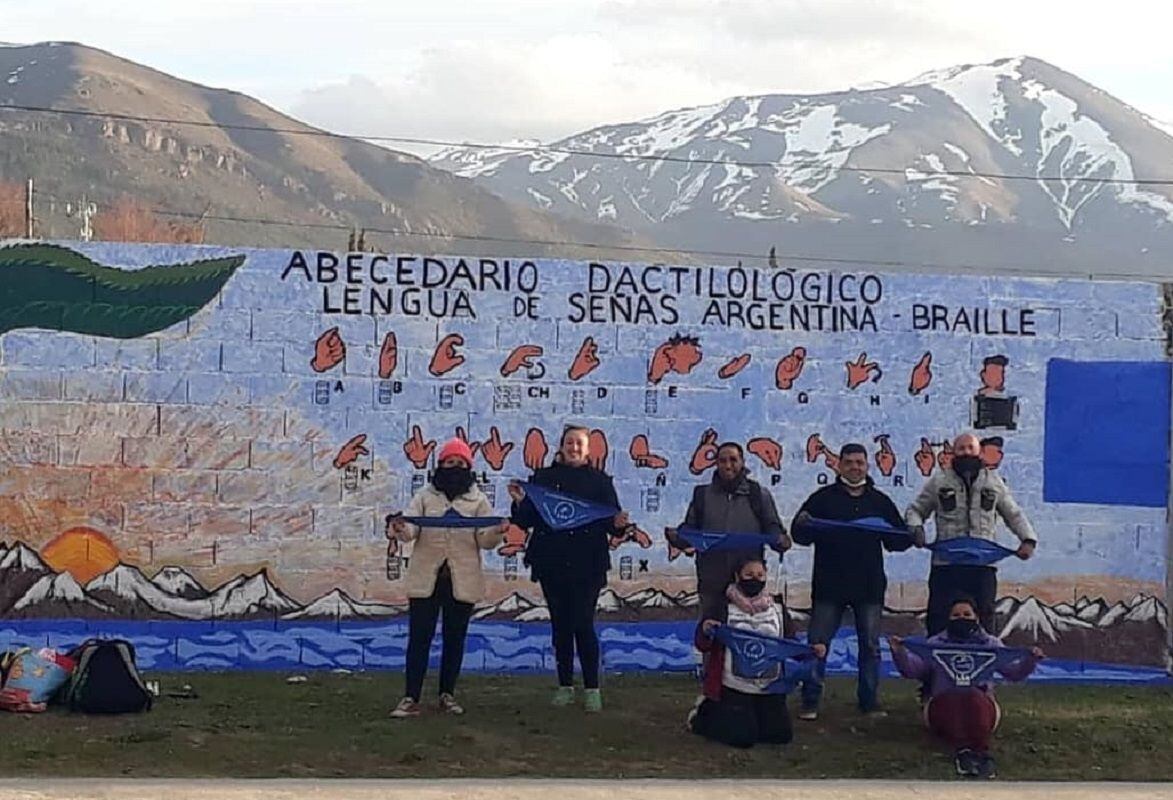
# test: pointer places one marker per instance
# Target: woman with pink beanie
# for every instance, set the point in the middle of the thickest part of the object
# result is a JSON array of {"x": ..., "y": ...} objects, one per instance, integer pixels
[{"x": 444, "y": 574}]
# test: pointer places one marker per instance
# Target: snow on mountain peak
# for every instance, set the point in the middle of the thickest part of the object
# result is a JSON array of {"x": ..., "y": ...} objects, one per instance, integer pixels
[
  {"x": 248, "y": 595},
  {"x": 179, "y": 582},
  {"x": 337, "y": 604},
  {"x": 1036, "y": 621},
  {"x": 60, "y": 587},
  {"x": 978, "y": 90},
  {"x": 22, "y": 557}
]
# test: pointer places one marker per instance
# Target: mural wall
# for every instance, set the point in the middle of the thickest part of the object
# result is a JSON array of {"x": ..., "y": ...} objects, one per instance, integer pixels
[{"x": 201, "y": 444}]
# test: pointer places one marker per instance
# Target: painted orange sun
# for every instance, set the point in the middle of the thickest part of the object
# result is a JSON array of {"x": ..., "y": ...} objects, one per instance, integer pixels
[{"x": 82, "y": 552}]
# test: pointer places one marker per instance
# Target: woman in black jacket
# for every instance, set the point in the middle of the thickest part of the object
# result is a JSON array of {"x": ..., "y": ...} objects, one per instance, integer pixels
[{"x": 571, "y": 565}]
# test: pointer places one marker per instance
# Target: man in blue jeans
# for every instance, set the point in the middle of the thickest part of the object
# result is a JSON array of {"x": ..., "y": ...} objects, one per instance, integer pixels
[{"x": 848, "y": 573}]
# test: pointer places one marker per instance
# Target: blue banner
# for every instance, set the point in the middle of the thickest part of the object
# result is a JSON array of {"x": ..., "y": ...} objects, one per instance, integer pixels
[
  {"x": 564, "y": 512},
  {"x": 868, "y": 526},
  {"x": 451, "y": 519},
  {"x": 704, "y": 541},
  {"x": 970, "y": 551},
  {"x": 967, "y": 664},
  {"x": 758, "y": 657}
]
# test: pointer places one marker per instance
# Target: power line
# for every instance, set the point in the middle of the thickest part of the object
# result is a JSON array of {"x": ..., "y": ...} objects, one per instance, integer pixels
[
  {"x": 309, "y": 131},
  {"x": 1004, "y": 269}
]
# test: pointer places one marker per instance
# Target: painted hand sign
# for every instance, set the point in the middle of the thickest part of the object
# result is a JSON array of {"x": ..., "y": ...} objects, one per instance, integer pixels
[
  {"x": 734, "y": 366},
  {"x": 351, "y": 451},
  {"x": 585, "y": 361},
  {"x": 993, "y": 375},
  {"x": 642, "y": 455},
  {"x": 462, "y": 436},
  {"x": 705, "y": 455},
  {"x": 534, "y": 450},
  {"x": 945, "y": 457},
  {"x": 789, "y": 368},
  {"x": 861, "y": 371},
  {"x": 924, "y": 458},
  {"x": 494, "y": 451},
  {"x": 522, "y": 357},
  {"x": 417, "y": 450},
  {"x": 769, "y": 451},
  {"x": 815, "y": 448},
  {"x": 922, "y": 375},
  {"x": 515, "y": 539},
  {"x": 679, "y": 354},
  {"x": 885, "y": 456},
  {"x": 446, "y": 356},
  {"x": 388, "y": 356},
  {"x": 632, "y": 534},
  {"x": 597, "y": 442},
  {"x": 329, "y": 351},
  {"x": 992, "y": 452}
]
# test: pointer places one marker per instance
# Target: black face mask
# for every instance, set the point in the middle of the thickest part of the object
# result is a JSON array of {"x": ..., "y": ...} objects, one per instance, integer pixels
[
  {"x": 962, "y": 628},
  {"x": 452, "y": 481},
  {"x": 751, "y": 587},
  {"x": 967, "y": 467}
]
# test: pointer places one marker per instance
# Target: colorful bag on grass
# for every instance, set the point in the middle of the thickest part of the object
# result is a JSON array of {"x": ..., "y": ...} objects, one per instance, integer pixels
[{"x": 31, "y": 678}]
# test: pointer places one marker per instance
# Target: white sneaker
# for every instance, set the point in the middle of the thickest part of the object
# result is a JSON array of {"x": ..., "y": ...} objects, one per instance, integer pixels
[
  {"x": 406, "y": 708},
  {"x": 449, "y": 705}
]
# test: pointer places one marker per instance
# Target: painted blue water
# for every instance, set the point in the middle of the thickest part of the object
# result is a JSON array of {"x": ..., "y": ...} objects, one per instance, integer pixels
[{"x": 492, "y": 647}]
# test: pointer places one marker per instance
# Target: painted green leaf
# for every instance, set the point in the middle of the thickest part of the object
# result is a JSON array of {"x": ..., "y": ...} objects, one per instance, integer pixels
[{"x": 53, "y": 287}]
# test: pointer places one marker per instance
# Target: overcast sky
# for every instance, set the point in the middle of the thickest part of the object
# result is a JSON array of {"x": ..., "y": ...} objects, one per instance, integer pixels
[{"x": 478, "y": 70}]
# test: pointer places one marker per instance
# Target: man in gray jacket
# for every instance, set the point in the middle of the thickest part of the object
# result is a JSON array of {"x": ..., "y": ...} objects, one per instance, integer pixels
[
  {"x": 732, "y": 503},
  {"x": 967, "y": 500}
]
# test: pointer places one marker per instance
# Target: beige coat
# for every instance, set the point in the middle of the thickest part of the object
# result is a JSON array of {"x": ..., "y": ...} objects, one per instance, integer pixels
[
  {"x": 945, "y": 496},
  {"x": 460, "y": 547}
]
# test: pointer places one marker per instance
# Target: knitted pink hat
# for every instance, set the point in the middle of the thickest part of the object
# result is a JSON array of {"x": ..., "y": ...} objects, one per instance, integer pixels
[{"x": 457, "y": 448}]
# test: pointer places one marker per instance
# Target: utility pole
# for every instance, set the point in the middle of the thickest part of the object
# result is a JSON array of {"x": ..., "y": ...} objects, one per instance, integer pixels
[{"x": 29, "y": 231}]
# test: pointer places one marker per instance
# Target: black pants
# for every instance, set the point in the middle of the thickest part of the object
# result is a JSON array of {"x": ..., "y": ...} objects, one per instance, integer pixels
[
  {"x": 572, "y": 626},
  {"x": 949, "y": 580},
  {"x": 743, "y": 720},
  {"x": 422, "y": 614}
]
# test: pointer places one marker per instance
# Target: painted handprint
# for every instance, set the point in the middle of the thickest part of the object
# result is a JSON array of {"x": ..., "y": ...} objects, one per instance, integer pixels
[
  {"x": 734, "y": 366},
  {"x": 585, "y": 360},
  {"x": 494, "y": 451},
  {"x": 815, "y": 448},
  {"x": 416, "y": 449},
  {"x": 993, "y": 375},
  {"x": 521, "y": 357},
  {"x": 351, "y": 451},
  {"x": 642, "y": 455},
  {"x": 462, "y": 436},
  {"x": 515, "y": 539},
  {"x": 769, "y": 451},
  {"x": 446, "y": 357},
  {"x": 705, "y": 455},
  {"x": 789, "y": 368},
  {"x": 388, "y": 356},
  {"x": 679, "y": 354},
  {"x": 885, "y": 456},
  {"x": 329, "y": 351},
  {"x": 598, "y": 450},
  {"x": 861, "y": 371},
  {"x": 992, "y": 451},
  {"x": 534, "y": 450},
  {"x": 922, "y": 375},
  {"x": 924, "y": 458},
  {"x": 945, "y": 457}
]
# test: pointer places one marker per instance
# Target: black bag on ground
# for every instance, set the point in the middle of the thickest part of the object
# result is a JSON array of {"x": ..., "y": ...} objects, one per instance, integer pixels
[{"x": 106, "y": 680}]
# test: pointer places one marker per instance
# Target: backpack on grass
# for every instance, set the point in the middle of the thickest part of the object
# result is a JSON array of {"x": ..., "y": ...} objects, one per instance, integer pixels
[{"x": 106, "y": 680}]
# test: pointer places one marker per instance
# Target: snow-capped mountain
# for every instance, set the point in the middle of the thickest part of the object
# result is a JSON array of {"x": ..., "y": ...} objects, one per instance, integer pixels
[
  {"x": 60, "y": 596},
  {"x": 508, "y": 607},
  {"x": 179, "y": 582},
  {"x": 20, "y": 568},
  {"x": 23, "y": 558},
  {"x": 127, "y": 589},
  {"x": 338, "y": 605},
  {"x": 248, "y": 596},
  {"x": 910, "y": 171},
  {"x": 1038, "y": 623}
]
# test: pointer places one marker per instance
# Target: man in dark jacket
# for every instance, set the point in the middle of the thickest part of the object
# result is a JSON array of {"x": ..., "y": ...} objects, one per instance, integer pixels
[
  {"x": 732, "y": 503},
  {"x": 848, "y": 572}
]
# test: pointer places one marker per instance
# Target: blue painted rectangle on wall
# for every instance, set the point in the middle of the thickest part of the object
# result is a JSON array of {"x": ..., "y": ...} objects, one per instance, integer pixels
[{"x": 1107, "y": 432}]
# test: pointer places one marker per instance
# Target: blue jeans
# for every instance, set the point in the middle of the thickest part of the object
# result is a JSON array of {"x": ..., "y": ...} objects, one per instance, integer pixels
[{"x": 825, "y": 620}]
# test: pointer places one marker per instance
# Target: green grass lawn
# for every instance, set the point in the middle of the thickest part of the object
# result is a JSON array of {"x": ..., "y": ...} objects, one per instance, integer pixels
[{"x": 257, "y": 725}]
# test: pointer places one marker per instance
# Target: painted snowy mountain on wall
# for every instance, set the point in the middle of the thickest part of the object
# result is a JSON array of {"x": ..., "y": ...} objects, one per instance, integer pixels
[{"x": 803, "y": 166}]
